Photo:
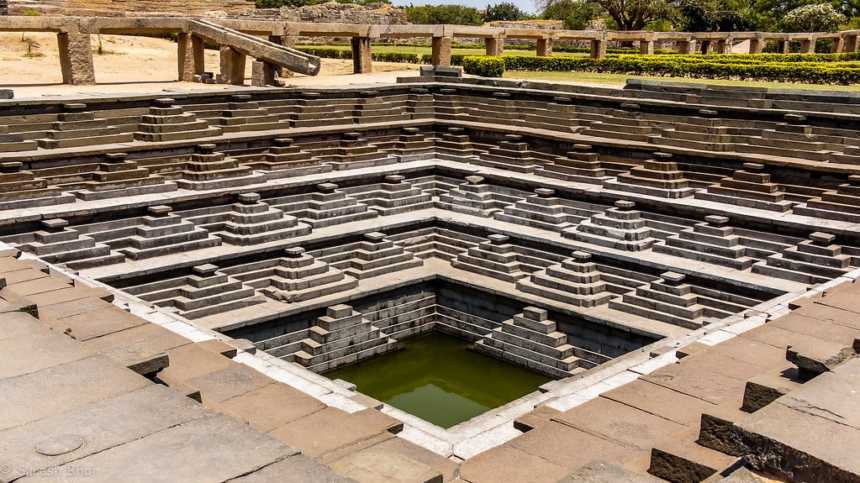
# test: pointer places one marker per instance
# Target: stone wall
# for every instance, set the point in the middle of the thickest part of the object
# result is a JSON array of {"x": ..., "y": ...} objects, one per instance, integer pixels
[
  {"x": 135, "y": 7},
  {"x": 333, "y": 12}
]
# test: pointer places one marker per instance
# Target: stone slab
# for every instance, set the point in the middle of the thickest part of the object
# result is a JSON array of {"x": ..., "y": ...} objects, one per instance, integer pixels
[
  {"x": 269, "y": 407},
  {"x": 64, "y": 388},
  {"x": 314, "y": 435},
  {"x": 660, "y": 401},
  {"x": 216, "y": 448},
  {"x": 495, "y": 465},
  {"x": 568, "y": 447},
  {"x": 99, "y": 426},
  {"x": 142, "y": 348},
  {"x": 295, "y": 469}
]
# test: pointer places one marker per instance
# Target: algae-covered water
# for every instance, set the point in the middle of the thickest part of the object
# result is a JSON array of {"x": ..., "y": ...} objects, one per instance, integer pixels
[{"x": 436, "y": 378}]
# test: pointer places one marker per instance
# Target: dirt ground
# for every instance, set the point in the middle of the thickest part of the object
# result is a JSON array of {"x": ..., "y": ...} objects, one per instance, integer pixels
[{"x": 30, "y": 64}]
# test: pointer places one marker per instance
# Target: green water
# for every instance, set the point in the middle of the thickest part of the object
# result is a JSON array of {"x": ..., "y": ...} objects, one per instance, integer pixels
[{"x": 436, "y": 378}]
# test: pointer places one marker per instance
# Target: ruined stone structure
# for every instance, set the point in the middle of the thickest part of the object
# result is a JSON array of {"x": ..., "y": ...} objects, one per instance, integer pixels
[
  {"x": 265, "y": 41},
  {"x": 693, "y": 304}
]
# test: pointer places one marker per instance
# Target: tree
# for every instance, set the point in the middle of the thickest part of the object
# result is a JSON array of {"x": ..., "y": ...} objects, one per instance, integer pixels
[
  {"x": 813, "y": 18},
  {"x": 715, "y": 16},
  {"x": 503, "y": 11},
  {"x": 439, "y": 14},
  {"x": 576, "y": 14},
  {"x": 630, "y": 14}
]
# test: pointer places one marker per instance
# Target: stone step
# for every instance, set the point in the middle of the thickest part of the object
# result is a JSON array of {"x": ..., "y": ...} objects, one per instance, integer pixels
[
  {"x": 547, "y": 370},
  {"x": 739, "y": 263},
  {"x": 560, "y": 295},
  {"x": 143, "y": 253},
  {"x": 618, "y": 304}
]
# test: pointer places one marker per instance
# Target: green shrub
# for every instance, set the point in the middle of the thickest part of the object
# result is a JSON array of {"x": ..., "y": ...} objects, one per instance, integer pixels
[
  {"x": 484, "y": 66},
  {"x": 811, "y": 69}
]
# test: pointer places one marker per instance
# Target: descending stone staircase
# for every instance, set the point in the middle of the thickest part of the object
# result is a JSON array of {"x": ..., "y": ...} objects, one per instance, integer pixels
[
  {"x": 169, "y": 122},
  {"x": 581, "y": 165},
  {"x": 476, "y": 197},
  {"x": 342, "y": 336},
  {"x": 670, "y": 299},
  {"x": 205, "y": 292},
  {"x": 247, "y": 222},
  {"x": 576, "y": 281},
  {"x": 657, "y": 177},
  {"x": 295, "y": 277},
  {"x": 394, "y": 195},
  {"x": 56, "y": 243},
  {"x": 750, "y": 187},
  {"x": 325, "y": 207},
  {"x": 712, "y": 241},
  {"x": 546, "y": 211},
  {"x": 373, "y": 256},
  {"x": 530, "y": 339},
  {"x": 618, "y": 227},
  {"x": 815, "y": 260},
  {"x": 78, "y": 127},
  {"x": 843, "y": 203}
]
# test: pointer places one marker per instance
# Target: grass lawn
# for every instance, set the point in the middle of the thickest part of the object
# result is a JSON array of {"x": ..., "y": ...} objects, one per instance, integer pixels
[{"x": 618, "y": 80}]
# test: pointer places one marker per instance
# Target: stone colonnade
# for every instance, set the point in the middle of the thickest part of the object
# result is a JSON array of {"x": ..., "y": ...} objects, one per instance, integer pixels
[{"x": 73, "y": 36}]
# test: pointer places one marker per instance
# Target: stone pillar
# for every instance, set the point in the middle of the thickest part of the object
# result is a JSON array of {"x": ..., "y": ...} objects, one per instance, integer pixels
[
  {"x": 646, "y": 47},
  {"x": 807, "y": 46},
  {"x": 838, "y": 45},
  {"x": 784, "y": 46},
  {"x": 544, "y": 47},
  {"x": 850, "y": 44},
  {"x": 687, "y": 46},
  {"x": 190, "y": 55},
  {"x": 442, "y": 51},
  {"x": 262, "y": 73},
  {"x": 362, "y": 59},
  {"x": 724, "y": 46},
  {"x": 76, "y": 58},
  {"x": 598, "y": 48},
  {"x": 757, "y": 45},
  {"x": 232, "y": 66},
  {"x": 494, "y": 45}
]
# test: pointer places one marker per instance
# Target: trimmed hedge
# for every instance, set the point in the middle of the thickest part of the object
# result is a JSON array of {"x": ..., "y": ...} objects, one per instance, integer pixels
[
  {"x": 807, "y": 68},
  {"x": 821, "y": 72},
  {"x": 484, "y": 66}
]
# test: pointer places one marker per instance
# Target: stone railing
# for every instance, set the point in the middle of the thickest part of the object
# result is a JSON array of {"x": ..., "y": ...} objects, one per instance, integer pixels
[{"x": 76, "y": 59}]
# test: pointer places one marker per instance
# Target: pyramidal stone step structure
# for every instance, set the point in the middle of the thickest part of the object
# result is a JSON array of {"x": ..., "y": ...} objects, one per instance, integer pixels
[
  {"x": 207, "y": 291},
  {"x": 546, "y": 211},
  {"x": 411, "y": 143},
  {"x": 455, "y": 141},
  {"x": 511, "y": 154},
  {"x": 581, "y": 165},
  {"x": 476, "y": 197},
  {"x": 658, "y": 177},
  {"x": 576, "y": 281},
  {"x": 284, "y": 159},
  {"x": 294, "y": 277},
  {"x": 20, "y": 188},
  {"x": 78, "y": 127},
  {"x": 353, "y": 151},
  {"x": 248, "y": 222},
  {"x": 394, "y": 195},
  {"x": 117, "y": 176},
  {"x": 327, "y": 206},
  {"x": 209, "y": 169},
  {"x": 811, "y": 261},
  {"x": 340, "y": 337},
  {"x": 750, "y": 187},
  {"x": 495, "y": 258},
  {"x": 619, "y": 227},
  {"x": 57, "y": 243},
  {"x": 244, "y": 114},
  {"x": 671, "y": 300},
  {"x": 158, "y": 233},
  {"x": 168, "y": 122},
  {"x": 712, "y": 241},
  {"x": 373, "y": 256},
  {"x": 530, "y": 339},
  {"x": 842, "y": 204}
]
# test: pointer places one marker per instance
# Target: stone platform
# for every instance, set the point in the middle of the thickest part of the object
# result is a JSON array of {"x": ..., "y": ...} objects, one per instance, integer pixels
[{"x": 687, "y": 288}]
